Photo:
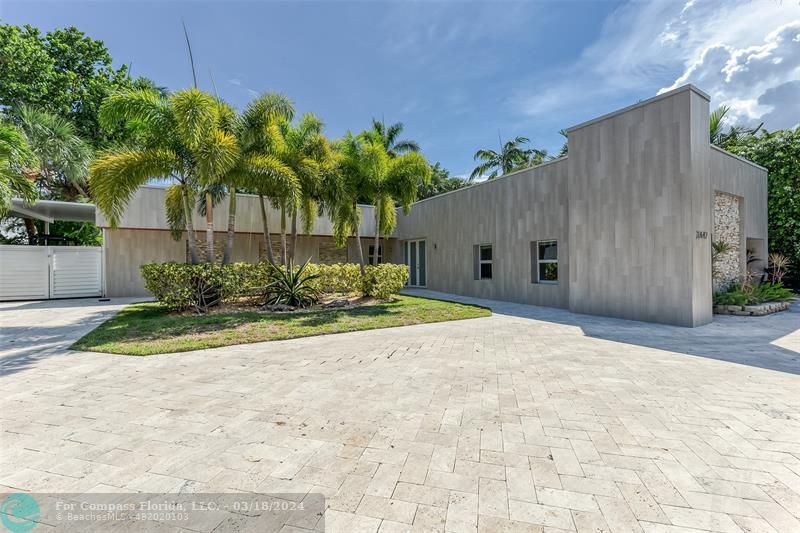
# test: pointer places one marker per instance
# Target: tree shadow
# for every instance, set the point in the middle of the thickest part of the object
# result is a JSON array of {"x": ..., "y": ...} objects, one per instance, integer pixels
[
  {"x": 771, "y": 342},
  {"x": 27, "y": 337}
]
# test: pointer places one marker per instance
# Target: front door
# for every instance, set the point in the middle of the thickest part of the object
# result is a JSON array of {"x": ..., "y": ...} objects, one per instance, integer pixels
[{"x": 414, "y": 253}]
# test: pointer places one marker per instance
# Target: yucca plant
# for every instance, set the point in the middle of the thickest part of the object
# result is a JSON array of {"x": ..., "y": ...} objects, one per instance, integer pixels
[{"x": 290, "y": 286}]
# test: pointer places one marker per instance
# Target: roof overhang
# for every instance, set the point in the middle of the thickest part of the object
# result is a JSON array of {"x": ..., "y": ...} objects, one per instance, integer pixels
[{"x": 52, "y": 210}]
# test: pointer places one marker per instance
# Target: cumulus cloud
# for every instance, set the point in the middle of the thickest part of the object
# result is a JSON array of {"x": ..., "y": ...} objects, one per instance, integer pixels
[
  {"x": 760, "y": 83},
  {"x": 745, "y": 54}
]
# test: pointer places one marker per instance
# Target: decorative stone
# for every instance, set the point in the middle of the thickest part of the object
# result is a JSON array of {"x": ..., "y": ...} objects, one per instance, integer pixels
[{"x": 728, "y": 266}]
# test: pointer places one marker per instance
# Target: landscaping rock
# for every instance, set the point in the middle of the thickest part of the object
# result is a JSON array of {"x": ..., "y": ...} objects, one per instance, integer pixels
[{"x": 751, "y": 310}]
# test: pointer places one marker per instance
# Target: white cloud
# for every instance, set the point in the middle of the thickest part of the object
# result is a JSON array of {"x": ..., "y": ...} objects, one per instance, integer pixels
[
  {"x": 741, "y": 52},
  {"x": 235, "y": 81},
  {"x": 756, "y": 81}
]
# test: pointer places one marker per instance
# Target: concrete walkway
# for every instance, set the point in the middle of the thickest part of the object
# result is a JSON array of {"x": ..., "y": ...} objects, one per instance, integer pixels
[{"x": 530, "y": 420}]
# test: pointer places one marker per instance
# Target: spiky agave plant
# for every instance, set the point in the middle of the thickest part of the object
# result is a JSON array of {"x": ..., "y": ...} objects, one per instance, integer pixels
[{"x": 290, "y": 286}]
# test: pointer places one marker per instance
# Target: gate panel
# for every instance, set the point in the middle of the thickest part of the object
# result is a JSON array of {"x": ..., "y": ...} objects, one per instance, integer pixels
[
  {"x": 24, "y": 273},
  {"x": 75, "y": 271}
]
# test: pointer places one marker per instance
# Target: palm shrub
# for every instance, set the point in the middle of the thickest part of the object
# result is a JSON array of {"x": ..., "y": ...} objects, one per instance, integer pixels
[
  {"x": 749, "y": 294},
  {"x": 291, "y": 286}
]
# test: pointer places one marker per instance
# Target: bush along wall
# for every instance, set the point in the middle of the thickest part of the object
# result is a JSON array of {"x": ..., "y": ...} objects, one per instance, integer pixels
[{"x": 183, "y": 287}]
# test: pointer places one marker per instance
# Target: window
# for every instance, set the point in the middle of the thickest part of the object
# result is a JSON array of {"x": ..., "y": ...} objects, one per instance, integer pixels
[
  {"x": 371, "y": 254},
  {"x": 482, "y": 254},
  {"x": 546, "y": 261}
]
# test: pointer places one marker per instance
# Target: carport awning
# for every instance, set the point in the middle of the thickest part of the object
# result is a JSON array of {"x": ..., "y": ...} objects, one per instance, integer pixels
[{"x": 51, "y": 210}]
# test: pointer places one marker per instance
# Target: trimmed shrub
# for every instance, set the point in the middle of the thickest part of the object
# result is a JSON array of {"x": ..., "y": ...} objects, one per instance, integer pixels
[
  {"x": 384, "y": 280},
  {"x": 180, "y": 286}
]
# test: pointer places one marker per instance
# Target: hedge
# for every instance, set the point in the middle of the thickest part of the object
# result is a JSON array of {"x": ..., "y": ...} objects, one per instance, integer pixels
[{"x": 179, "y": 286}]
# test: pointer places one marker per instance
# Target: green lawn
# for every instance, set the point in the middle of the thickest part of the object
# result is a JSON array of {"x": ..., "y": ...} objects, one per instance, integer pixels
[{"x": 147, "y": 329}]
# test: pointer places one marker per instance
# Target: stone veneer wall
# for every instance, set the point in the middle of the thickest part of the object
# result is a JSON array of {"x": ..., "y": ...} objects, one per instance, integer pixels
[{"x": 728, "y": 229}]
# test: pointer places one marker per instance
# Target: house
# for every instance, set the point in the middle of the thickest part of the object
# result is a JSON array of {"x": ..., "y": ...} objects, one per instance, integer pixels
[{"x": 623, "y": 226}]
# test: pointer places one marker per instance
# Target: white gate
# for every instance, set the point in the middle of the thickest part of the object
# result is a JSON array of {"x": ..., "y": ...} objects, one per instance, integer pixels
[{"x": 41, "y": 272}]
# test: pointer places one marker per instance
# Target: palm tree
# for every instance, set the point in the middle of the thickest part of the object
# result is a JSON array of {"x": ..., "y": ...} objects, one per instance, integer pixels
[
  {"x": 179, "y": 138},
  {"x": 259, "y": 169},
  {"x": 388, "y": 137},
  {"x": 306, "y": 152},
  {"x": 717, "y": 135},
  {"x": 512, "y": 156},
  {"x": 342, "y": 187},
  {"x": 62, "y": 157},
  {"x": 15, "y": 157}
]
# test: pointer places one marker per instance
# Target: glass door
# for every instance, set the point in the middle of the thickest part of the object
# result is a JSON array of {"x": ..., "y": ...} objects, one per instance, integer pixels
[{"x": 415, "y": 257}]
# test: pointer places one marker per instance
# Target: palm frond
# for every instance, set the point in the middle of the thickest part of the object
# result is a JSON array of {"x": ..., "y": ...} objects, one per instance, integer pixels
[
  {"x": 175, "y": 209},
  {"x": 195, "y": 116},
  {"x": 116, "y": 176}
]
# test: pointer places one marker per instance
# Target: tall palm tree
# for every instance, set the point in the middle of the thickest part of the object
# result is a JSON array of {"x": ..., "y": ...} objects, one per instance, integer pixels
[
  {"x": 306, "y": 152},
  {"x": 512, "y": 156},
  {"x": 389, "y": 138},
  {"x": 179, "y": 139},
  {"x": 259, "y": 168},
  {"x": 15, "y": 157},
  {"x": 342, "y": 187}
]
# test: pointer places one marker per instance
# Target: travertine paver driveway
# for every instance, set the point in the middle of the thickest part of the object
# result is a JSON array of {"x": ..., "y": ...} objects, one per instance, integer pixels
[{"x": 532, "y": 419}]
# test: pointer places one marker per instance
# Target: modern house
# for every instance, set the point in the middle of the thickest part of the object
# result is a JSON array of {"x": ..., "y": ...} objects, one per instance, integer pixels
[{"x": 620, "y": 227}]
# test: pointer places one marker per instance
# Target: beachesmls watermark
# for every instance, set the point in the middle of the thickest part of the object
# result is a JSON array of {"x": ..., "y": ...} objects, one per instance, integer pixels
[{"x": 219, "y": 512}]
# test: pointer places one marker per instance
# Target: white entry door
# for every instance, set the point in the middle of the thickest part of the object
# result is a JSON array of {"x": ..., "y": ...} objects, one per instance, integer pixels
[
  {"x": 415, "y": 258},
  {"x": 41, "y": 272}
]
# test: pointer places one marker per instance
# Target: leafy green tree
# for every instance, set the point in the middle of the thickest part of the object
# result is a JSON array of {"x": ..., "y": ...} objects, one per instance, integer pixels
[
  {"x": 440, "y": 183},
  {"x": 15, "y": 157},
  {"x": 63, "y": 72},
  {"x": 179, "y": 139},
  {"x": 512, "y": 156},
  {"x": 779, "y": 153}
]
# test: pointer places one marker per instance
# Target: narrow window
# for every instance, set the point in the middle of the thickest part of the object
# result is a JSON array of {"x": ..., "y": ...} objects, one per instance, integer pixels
[
  {"x": 546, "y": 264},
  {"x": 483, "y": 261},
  {"x": 371, "y": 254}
]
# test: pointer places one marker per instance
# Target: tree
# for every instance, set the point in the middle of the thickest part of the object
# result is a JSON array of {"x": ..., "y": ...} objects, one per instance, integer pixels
[
  {"x": 779, "y": 153},
  {"x": 15, "y": 157},
  {"x": 63, "y": 72},
  {"x": 304, "y": 150},
  {"x": 179, "y": 138},
  {"x": 389, "y": 138},
  {"x": 440, "y": 183},
  {"x": 716, "y": 129},
  {"x": 512, "y": 156},
  {"x": 258, "y": 168},
  {"x": 62, "y": 157},
  {"x": 341, "y": 190}
]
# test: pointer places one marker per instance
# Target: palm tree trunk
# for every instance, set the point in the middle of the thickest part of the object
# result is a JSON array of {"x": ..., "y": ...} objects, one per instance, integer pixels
[
  {"x": 283, "y": 233},
  {"x": 209, "y": 228},
  {"x": 358, "y": 238},
  {"x": 377, "y": 234},
  {"x": 226, "y": 258},
  {"x": 293, "y": 248},
  {"x": 30, "y": 228},
  {"x": 267, "y": 239},
  {"x": 190, "y": 235}
]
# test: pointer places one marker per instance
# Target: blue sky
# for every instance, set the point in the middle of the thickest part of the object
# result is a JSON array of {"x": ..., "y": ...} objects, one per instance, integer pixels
[{"x": 457, "y": 74}]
